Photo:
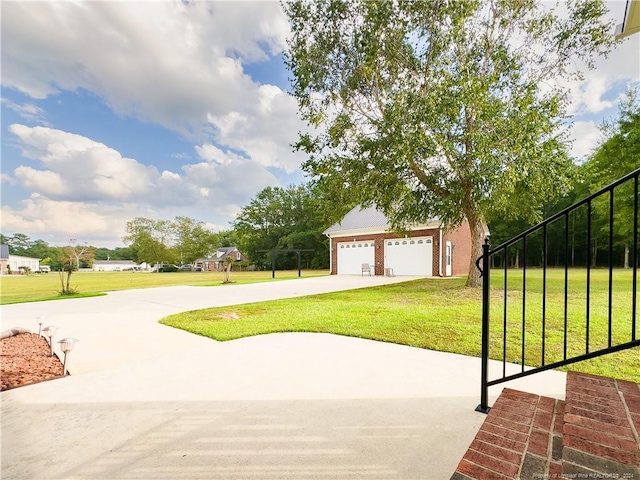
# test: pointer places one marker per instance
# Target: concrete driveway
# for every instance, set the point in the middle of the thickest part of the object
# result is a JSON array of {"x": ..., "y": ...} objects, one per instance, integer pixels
[{"x": 146, "y": 401}]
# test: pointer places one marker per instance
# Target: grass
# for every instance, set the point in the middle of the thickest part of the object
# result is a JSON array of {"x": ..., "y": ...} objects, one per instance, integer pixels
[
  {"x": 444, "y": 315},
  {"x": 35, "y": 288}
]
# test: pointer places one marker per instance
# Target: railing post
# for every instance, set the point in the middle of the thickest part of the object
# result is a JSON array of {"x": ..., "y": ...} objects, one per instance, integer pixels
[{"x": 484, "y": 273}]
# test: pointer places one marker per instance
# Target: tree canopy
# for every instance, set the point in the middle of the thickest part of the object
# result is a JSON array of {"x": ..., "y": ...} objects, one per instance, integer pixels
[
  {"x": 437, "y": 108},
  {"x": 284, "y": 218}
]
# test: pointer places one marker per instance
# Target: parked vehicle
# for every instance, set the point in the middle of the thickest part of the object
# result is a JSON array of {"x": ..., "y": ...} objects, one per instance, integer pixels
[
  {"x": 185, "y": 268},
  {"x": 45, "y": 269}
]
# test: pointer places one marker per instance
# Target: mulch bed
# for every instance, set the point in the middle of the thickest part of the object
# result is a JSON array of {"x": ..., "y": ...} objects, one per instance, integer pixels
[{"x": 24, "y": 360}]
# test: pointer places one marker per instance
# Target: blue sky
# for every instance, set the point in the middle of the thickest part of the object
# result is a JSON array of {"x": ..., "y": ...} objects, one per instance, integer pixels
[{"x": 112, "y": 110}]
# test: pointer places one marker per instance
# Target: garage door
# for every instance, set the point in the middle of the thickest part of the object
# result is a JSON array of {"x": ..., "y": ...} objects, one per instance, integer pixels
[
  {"x": 351, "y": 256},
  {"x": 409, "y": 256}
]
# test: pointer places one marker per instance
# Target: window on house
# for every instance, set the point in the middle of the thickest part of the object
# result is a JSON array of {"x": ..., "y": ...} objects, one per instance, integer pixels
[
  {"x": 397, "y": 243},
  {"x": 389, "y": 243},
  {"x": 238, "y": 256},
  {"x": 404, "y": 242},
  {"x": 428, "y": 240},
  {"x": 420, "y": 242},
  {"x": 412, "y": 242}
]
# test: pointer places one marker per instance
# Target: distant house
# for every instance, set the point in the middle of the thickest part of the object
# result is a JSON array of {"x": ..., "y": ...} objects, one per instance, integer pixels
[
  {"x": 364, "y": 236},
  {"x": 114, "y": 265},
  {"x": 214, "y": 261},
  {"x": 14, "y": 262}
]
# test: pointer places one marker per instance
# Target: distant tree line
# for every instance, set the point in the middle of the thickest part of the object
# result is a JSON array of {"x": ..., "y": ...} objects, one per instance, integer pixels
[{"x": 618, "y": 155}]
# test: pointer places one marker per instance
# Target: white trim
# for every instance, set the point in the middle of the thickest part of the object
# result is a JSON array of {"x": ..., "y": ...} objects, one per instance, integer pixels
[{"x": 379, "y": 230}]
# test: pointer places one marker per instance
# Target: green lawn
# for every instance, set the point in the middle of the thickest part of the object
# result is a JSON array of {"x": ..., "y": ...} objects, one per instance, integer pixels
[
  {"x": 444, "y": 315},
  {"x": 34, "y": 288}
]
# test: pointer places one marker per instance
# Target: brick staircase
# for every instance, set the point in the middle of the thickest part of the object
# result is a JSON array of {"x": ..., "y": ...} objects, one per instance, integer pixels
[{"x": 594, "y": 433}]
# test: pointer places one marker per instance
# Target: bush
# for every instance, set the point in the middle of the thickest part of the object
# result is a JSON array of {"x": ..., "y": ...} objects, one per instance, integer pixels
[{"x": 169, "y": 268}]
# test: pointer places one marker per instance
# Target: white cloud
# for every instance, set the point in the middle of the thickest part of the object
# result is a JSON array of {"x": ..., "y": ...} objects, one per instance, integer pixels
[
  {"x": 172, "y": 63},
  {"x": 265, "y": 128},
  {"x": 27, "y": 111},
  {"x": 84, "y": 188},
  {"x": 586, "y": 137},
  {"x": 56, "y": 221}
]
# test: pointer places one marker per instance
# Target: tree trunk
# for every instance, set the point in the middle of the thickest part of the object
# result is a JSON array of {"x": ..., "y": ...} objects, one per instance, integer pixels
[
  {"x": 626, "y": 256},
  {"x": 477, "y": 239},
  {"x": 69, "y": 279}
]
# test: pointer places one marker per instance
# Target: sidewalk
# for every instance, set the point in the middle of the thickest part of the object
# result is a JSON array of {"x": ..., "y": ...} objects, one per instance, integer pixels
[{"x": 290, "y": 406}]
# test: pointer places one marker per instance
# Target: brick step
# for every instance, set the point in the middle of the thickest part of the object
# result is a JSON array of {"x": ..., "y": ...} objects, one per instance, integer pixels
[{"x": 593, "y": 434}]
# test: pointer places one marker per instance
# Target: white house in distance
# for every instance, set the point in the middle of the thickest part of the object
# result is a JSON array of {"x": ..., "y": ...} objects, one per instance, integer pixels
[
  {"x": 114, "y": 265},
  {"x": 13, "y": 263}
]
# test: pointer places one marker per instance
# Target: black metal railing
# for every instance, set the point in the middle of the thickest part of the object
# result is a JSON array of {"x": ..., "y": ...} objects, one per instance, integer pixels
[{"x": 539, "y": 331}]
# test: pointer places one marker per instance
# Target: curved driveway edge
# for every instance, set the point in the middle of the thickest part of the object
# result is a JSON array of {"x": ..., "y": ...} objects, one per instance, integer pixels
[
  {"x": 122, "y": 326},
  {"x": 280, "y": 406}
]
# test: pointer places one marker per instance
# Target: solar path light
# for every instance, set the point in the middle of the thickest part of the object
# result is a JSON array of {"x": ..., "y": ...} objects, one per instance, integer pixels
[
  {"x": 66, "y": 345},
  {"x": 40, "y": 320},
  {"x": 50, "y": 332}
]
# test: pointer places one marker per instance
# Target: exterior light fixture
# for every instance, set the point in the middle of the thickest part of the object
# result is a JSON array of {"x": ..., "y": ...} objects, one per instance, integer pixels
[
  {"x": 50, "y": 332},
  {"x": 66, "y": 345},
  {"x": 40, "y": 320}
]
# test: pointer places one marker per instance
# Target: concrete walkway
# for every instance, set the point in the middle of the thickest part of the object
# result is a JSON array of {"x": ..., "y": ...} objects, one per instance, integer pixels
[{"x": 147, "y": 401}]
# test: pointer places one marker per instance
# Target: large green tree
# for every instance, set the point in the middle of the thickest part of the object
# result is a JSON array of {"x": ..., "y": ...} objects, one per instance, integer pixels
[
  {"x": 618, "y": 155},
  {"x": 193, "y": 240},
  {"x": 284, "y": 218},
  {"x": 439, "y": 108},
  {"x": 152, "y": 239}
]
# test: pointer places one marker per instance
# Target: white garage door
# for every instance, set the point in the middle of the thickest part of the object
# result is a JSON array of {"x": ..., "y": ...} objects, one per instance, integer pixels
[
  {"x": 351, "y": 256},
  {"x": 409, "y": 256}
]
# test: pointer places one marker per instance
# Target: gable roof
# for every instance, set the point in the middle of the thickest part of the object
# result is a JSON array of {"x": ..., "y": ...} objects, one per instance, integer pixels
[
  {"x": 367, "y": 219},
  {"x": 219, "y": 253},
  {"x": 359, "y": 218}
]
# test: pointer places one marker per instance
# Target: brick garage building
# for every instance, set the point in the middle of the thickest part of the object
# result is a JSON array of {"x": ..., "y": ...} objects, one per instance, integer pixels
[{"x": 365, "y": 236}]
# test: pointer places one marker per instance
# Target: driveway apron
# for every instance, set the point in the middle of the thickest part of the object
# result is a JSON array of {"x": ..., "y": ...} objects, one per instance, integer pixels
[{"x": 147, "y": 401}]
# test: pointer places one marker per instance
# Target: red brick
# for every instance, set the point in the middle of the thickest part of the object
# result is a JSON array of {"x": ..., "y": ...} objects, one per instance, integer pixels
[
  {"x": 555, "y": 470},
  {"x": 580, "y": 393},
  {"x": 508, "y": 424},
  {"x": 619, "y": 420},
  {"x": 559, "y": 418},
  {"x": 523, "y": 408},
  {"x": 602, "y": 438},
  {"x": 632, "y": 401},
  {"x": 493, "y": 464},
  {"x": 505, "y": 432},
  {"x": 547, "y": 404},
  {"x": 620, "y": 456},
  {"x": 507, "y": 414},
  {"x": 601, "y": 405},
  {"x": 497, "y": 452},
  {"x": 477, "y": 472},
  {"x": 588, "y": 378},
  {"x": 501, "y": 442},
  {"x": 628, "y": 387},
  {"x": 543, "y": 420},
  {"x": 520, "y": 396},
  {"x": 635, "y": 418},
  {"x": 621, "y": 431},
  {"x": 539, "y": 443}
]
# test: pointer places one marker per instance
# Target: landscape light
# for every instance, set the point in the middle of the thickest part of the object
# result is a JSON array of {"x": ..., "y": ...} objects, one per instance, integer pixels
[
  {"x": 40, "y": 320},
  {"x": 50, "y": 332},
  {"x": 66, "y": 345}
]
